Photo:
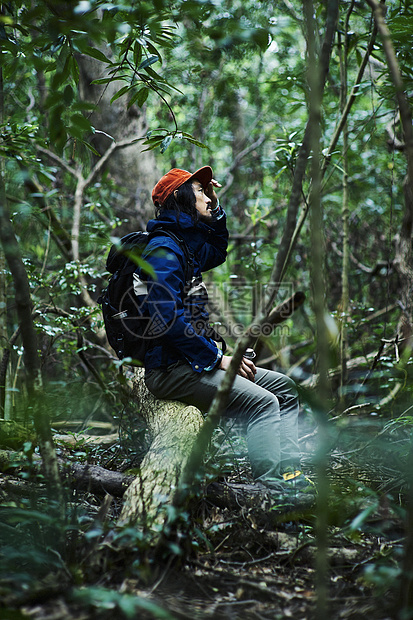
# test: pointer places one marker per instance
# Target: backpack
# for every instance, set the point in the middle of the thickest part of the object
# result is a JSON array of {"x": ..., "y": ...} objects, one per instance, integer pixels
[{"x": 129, "y": 329}]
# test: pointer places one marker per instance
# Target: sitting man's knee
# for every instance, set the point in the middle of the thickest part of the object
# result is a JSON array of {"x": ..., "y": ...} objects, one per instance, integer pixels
[{"x": 289, "y": 385}]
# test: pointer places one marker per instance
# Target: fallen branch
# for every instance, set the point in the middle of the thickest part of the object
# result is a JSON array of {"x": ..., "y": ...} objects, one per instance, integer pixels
[
  {"x": 102, "y": 482},
  {"x": 85, "y": 477},
  {"x": 97, "y": 480}
]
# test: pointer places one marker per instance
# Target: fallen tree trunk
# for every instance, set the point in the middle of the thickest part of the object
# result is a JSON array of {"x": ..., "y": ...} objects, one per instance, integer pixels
[
  {"x": 104, "y": 482},
  {"x": 174, "y": 427},
  {"x": 98, "y": 480},
  {"x": 85, "y": 477}
]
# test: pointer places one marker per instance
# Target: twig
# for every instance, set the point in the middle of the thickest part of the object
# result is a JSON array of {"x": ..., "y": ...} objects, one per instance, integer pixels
[
  {"x": 162, "y": 577},
  {"x": 250, "y": 563},
  {"x": 108, "y": 153},
  {"x": 59, "y": 160},
  {"x": 235, "y": 162},
  {"x": 370, "y": 270}
]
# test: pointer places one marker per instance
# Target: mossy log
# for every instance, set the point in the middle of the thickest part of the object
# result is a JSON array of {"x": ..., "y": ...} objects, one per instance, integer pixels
[
  {"x": 173, "y": 427},
  {"x": 13, "y": 434}
]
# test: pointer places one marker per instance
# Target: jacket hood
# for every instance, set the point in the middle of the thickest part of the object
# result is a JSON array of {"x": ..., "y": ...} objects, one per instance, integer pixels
[{"x": 194, "y": 233}]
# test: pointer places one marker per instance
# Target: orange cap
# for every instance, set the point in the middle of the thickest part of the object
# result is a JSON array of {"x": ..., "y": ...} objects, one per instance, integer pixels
[{"x": 175, "y": 178}]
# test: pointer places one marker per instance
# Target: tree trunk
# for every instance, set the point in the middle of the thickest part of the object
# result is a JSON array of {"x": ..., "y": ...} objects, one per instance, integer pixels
[
  {"x": 134, "y": 172},
  {"x": 403, "y": 262},
  {"x": 4, "y": 348},
  {"x": 31, "y": 357},
  {"x": 4, "y": 339},
  {"x": 315, "y": 82},
  {"x": 345, "y": 212},
  {"x": 174, "y": 427}
]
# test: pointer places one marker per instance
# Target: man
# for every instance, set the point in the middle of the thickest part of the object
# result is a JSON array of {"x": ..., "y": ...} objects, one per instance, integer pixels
[{"x": 186, "y": 361}]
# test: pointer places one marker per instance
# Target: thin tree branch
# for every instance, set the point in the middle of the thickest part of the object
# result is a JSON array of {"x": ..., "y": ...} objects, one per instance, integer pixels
[
  {"x": 59, "y": 160},
  {"x": 81, "y": 186},
  {"x": 396, "y": 76},
  {"x": 31, "y": 357},
  {"x": 108, "y": 153},
  {"x": 77, "y": 208},
  {"x": 335, "y": 138},
  {"x": 3, "y": 369},
  {"x": 195, "y": 459},
  {"x": 235, "y": 162},
  {"x": 350, "y": 101},
  {"x": 370, "y": 270},
  {"x": 284, "y": 252}
]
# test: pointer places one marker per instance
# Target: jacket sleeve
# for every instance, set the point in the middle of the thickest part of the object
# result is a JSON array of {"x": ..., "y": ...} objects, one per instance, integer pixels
[
  {"x": 165, "y": 306},
  {"x": 214, "y": 251}
]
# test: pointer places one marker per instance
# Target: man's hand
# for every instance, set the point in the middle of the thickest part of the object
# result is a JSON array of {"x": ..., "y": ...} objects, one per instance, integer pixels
[
  {"x": 210, "y": 192},
  {"x": 246, "y": 369}
]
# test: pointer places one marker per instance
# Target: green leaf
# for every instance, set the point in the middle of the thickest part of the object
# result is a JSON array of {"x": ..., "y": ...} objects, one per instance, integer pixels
[
  {"x": 90, "y": 147},
  {"x": 152, "y": 146},
  {"x": 155, "y": 75},
  {"x": 120, "y": 92},
  {"x": 60, "y": 77},
  {"x": 147, "y": 62},
  {"x": 5, "y": 19},
  {"x": 193, "y": 141},
  {"x": 95, "y": 53},
  {"x": 143, "y": 264},
  {"x": 153, "y": 50},
  {"x": 139, "y": 97},
  {"x": 68, "y": 94},
  {"x": 74, "y": 69},
  {"x": 165, "y": 143},
  {"x": 137, "y": 53},
  {"x": 105, "y": 80},
  {"x": 359, "y": 521},
  {"x": 80, "y": 121},
  {"x": 10, "y": 46}
]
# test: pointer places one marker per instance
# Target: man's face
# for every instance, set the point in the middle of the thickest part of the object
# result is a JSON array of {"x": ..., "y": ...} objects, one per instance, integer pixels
[{"x": 203, "y": 203}]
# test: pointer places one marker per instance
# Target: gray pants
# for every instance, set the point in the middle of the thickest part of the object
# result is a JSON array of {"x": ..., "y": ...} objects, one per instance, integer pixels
[{"x": 269, "y": 407}]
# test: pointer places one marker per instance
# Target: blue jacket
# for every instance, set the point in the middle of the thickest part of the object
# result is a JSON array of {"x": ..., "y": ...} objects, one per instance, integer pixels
[{"x": 176, "y": 319}]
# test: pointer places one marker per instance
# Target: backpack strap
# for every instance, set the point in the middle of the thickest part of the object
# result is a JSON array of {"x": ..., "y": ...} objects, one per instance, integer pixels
[{"x": 188, "y": 253}]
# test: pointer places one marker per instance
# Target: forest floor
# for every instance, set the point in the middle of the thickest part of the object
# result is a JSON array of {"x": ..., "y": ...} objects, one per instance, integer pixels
[
  {"x": 238, "y": 563},
  {"x": 250, "y": 572}
]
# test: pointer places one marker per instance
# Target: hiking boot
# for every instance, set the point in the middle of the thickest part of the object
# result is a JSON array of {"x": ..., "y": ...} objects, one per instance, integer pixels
[{"x": 296, "y": 480}]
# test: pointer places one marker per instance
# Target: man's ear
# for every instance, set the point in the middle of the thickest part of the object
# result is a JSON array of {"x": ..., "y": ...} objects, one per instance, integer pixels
[{"x": 175, "y": 193}]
